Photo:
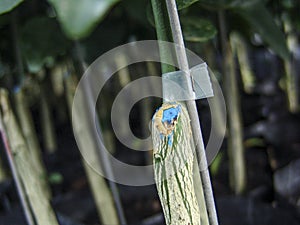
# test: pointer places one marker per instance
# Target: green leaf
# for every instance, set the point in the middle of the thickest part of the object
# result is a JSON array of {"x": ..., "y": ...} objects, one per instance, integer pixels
[
  {"x": 79, "y": 17},
  {"x": 215, "y": 166},
  {"x": 41, "y": 41},
  {"x": 8, "y": 5},
  {"x": 181, "y": 4},
  {"x": 262, "y": 22},
  {"x": 197, "y": 29},
  {"x": 137, "y": 9}
]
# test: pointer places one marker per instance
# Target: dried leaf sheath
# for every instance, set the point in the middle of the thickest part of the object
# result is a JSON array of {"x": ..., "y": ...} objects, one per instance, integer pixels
[{"x": 173, "y": 164}]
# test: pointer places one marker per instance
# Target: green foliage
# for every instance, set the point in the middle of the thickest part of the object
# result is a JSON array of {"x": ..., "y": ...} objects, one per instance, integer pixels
[
  {"x": 227, "y": 4},
  {"x": 215, "y": 166},
  {"x": 262, "y": 22},
  {"x": 198, "y": 29},
  {"x": 181, "y": 4},
  {"x": 8, "y": 5},
  {"x": 79, "y": 17},
  {"x": 41, "y": 41},
  {"x": 55, "y": 178},
  {"x": 137, "y": 9}
]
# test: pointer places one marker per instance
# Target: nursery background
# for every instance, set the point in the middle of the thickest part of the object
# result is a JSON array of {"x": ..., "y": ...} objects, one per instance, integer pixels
[{"x": 251, "y": 47}]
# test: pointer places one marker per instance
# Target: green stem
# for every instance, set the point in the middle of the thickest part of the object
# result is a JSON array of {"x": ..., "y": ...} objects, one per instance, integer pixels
[
  {"x": 235, "y": 139},
  {"x": 163, "y": 31},
  {"x": 49, "y": 136},
  {"x": 292, "y": 89},
  {"x": 239, "y": 49}
]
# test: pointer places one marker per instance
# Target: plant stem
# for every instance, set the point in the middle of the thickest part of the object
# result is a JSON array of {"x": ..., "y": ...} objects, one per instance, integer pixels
[
  {"x": 16, "y": 43},
  {"x": 28, "y": 130},
  {"x": 102, "y": 195},
  {"x": 235, "y": 140},
  {"x": 13, "y": 168},
  {"x": 49, "y": 135},
  {"x": 239, "y": 49},
  {"x": 160, "y": 8},
  {"x": 192, "y": 109},
  {"x": 292, "y": 89},
  {"x": 101, "y": 158},
  {"x": 163, "y": 31},
  {"x": 40, "y": 205}
]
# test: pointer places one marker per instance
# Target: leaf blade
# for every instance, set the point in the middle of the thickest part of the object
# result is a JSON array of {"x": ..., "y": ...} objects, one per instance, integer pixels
[
  {"x": 198, "y": 29},
  {"x": 79, "y": 18},
  {"x": 181, "y": 4},
  {"x": 8, "y": 5},
  {"x": 262, "y": 22}
]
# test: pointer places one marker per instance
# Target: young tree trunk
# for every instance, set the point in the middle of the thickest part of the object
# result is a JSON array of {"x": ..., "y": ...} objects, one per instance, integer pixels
[
  {"x": 102, "y": 194},
  {"x": 37, "y": 196},
  {"x": 28, "y": 130},
  {"x": 173, "y": 151}
]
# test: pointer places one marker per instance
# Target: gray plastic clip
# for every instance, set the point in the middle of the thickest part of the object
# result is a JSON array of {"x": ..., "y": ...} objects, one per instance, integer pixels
[{"x": 175, "y": 84}]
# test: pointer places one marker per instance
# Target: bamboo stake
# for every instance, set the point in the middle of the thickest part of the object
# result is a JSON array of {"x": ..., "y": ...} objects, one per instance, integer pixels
[
  {"x": 28, "y": 130},
  {"x": 44, "y": 214},
  {"x": 235, "y": 139},
  {"x": 102, "y": 195}
]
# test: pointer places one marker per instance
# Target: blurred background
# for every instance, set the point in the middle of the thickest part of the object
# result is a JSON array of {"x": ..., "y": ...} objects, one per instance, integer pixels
[{"x": 45, "y": 46}]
